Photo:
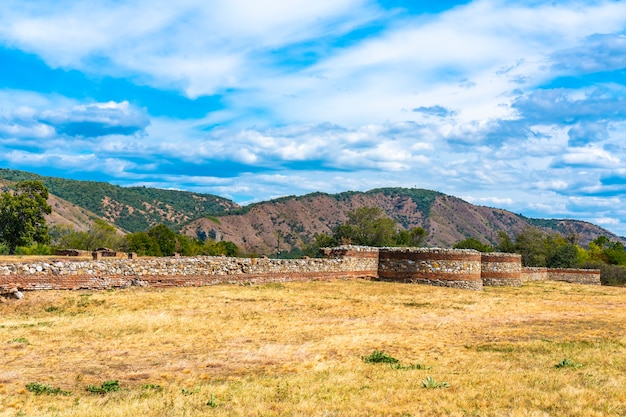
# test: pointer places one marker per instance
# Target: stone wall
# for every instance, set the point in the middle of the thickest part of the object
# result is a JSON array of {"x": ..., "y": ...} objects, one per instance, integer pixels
[
  {"x": 498, "y": 269},
  {"x": 458, "y": 268},
  {"x": 169, "y": 272},
  {"x": 530, "y": 274},
  {"x": 575, "y": 276}
]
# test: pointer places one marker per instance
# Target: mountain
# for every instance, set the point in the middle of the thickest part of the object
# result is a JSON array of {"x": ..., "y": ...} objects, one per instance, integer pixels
[
  {"x": 129, "y": 208},
  {"x": 285, "y": 223},
  {"x": 290, "y": 222}
]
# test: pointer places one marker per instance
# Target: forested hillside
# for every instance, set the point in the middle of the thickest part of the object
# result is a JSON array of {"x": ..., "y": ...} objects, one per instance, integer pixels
[{"x": 130, "y": 208}]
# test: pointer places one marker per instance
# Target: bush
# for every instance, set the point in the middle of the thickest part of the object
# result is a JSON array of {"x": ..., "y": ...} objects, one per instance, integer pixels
[{"x": 35, "y": 249}]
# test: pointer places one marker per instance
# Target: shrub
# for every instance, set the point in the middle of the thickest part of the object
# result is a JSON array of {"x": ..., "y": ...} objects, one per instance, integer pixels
[
  {"x": 430, "y": 382},
  {"x": 108, "y": 386},
  {"x": 380, "y": 357},
  {"x": 40, "y": 389}
]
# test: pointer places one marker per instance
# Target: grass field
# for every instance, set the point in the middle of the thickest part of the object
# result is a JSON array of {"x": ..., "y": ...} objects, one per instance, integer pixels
[{"x": 299, "y": 349}]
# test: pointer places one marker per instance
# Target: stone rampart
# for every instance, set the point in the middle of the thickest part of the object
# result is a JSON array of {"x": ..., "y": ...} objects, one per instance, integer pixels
[
  {"x": 167, "y": 272},
  {"x": 501, "y": 269},
  {"x": 458, "y": 268},
  {"x": 575, "y": 276},
  {"x": 530, "y": 274}
]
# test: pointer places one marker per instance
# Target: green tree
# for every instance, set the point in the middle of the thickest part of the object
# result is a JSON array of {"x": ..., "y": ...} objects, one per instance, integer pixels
[
  {"x": 505, "y": 243},
  {"x": 473, "y": 243},
  {"x": 166, "y": 239},
  {"x": 22, "y": 215},
  {"x": 563, "y": 256},
  {"x": 366, "y": 226},
  {"x": 413, "y": 238},
  {"x": 142, "y": 244},
  {"x": 100, "y": 235},
  {"x": 530, "y": 243}
]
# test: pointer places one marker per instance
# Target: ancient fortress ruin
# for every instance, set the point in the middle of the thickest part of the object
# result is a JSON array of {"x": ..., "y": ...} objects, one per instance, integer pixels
[{"x": 457, "y": 268}]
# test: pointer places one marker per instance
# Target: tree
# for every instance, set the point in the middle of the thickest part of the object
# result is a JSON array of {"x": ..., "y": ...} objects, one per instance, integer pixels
[
  {"x": 369, "y": 226},
  {"x": 100, "y": 235},
  {"x": 473, "y": 243},
  {"x": 414, "y": 237},
  {"x": 142, "y": 244},
  {"x": 166, "y": 239},
  {"x": 505, "y": 244},
  {"x": 530, "y": 243},
  {"x": 563, "y": 256},
  {"x": 22, "y": 215}
]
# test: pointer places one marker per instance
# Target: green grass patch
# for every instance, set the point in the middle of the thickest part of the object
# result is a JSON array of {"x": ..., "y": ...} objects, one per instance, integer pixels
[
  {"x": 41, "y": 389},
  {"x": 106, "y": 387}
]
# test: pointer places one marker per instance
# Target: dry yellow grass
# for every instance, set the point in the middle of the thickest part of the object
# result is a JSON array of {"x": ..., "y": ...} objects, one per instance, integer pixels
[{"x": 297, "y": 349}]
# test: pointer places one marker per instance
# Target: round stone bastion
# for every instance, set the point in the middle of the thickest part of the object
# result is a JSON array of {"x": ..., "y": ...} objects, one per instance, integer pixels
[
  {"x": 501, "y": 269},
  {"x": 457, "y": 268}
]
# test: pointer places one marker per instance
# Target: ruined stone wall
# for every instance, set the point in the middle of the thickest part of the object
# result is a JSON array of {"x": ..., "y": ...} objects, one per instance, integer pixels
[
  {"x": 458, "y": 268},
  {"x": 501, "y": 269},
  {"x": 530, "y": 274},
  {"x": 576, "y": 276},
  {"x": 169, "y": 272}
]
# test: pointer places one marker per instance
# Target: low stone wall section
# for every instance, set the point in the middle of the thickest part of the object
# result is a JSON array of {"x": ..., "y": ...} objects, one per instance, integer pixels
[
  {"x": 457, "y": 268},
  {"x": 530, "y": 274},
  {"x": 501, "y": 269},
  {"x": 169, "y": 272},
  {"x": 575, "y": 276}
]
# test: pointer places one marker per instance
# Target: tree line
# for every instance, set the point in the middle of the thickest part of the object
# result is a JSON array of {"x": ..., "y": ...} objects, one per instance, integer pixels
[
  {"x": 23, "y": 230},
  {"x": 539, "y": 248}
]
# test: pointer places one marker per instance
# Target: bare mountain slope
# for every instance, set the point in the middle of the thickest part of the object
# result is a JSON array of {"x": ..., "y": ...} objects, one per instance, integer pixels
[{"x": 292, "y": 222}]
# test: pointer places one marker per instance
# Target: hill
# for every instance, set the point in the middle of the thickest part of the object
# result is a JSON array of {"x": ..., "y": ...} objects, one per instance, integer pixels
[
  {"x": 129, "y": 208},
  {"x": 286, "y": 223},
  {"x": 292, "y": 222}
]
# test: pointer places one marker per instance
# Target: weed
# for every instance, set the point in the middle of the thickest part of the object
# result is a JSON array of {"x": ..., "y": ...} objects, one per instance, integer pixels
[
  {"x": 51, "y": 309},
  {"x": 566, "y": 363},
  {"x": 212, "y": 403},
  {"x": 379, "y": 356},
  {"x": 39, "y": 389},
  {"x": 412, "y": 366},
  {"x": 106, "y": 387},
  {"x": 152, "y": 387},
  {"x": 430, "y": 382},
  {"x": 19, "y": 340}
]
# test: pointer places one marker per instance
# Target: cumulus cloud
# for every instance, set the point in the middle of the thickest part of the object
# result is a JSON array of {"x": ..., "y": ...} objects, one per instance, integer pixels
[
  {"x": 87, "y": 121},
  {"x": 590, "y": 157},
  {"x": 98, "y": 119}
]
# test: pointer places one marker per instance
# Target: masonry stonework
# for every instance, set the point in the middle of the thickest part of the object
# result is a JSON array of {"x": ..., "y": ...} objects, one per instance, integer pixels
[
  {"x": 442, "y": 267},
  {"x": 575, "y": 276},
  {"x": 462, "y": 268},
  {"x": 501, "y": 269}
]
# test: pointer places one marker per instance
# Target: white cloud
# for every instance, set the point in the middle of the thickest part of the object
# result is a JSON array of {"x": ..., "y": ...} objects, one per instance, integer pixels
[{"x": 589, "y": 156}]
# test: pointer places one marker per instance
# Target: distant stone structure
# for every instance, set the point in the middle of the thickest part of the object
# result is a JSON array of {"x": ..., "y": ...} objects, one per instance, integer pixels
[{"x": 462, "y": 268}]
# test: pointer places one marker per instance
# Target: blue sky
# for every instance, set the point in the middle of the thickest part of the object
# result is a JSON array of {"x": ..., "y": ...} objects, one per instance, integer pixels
[{"x": 512, "y": 104}]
